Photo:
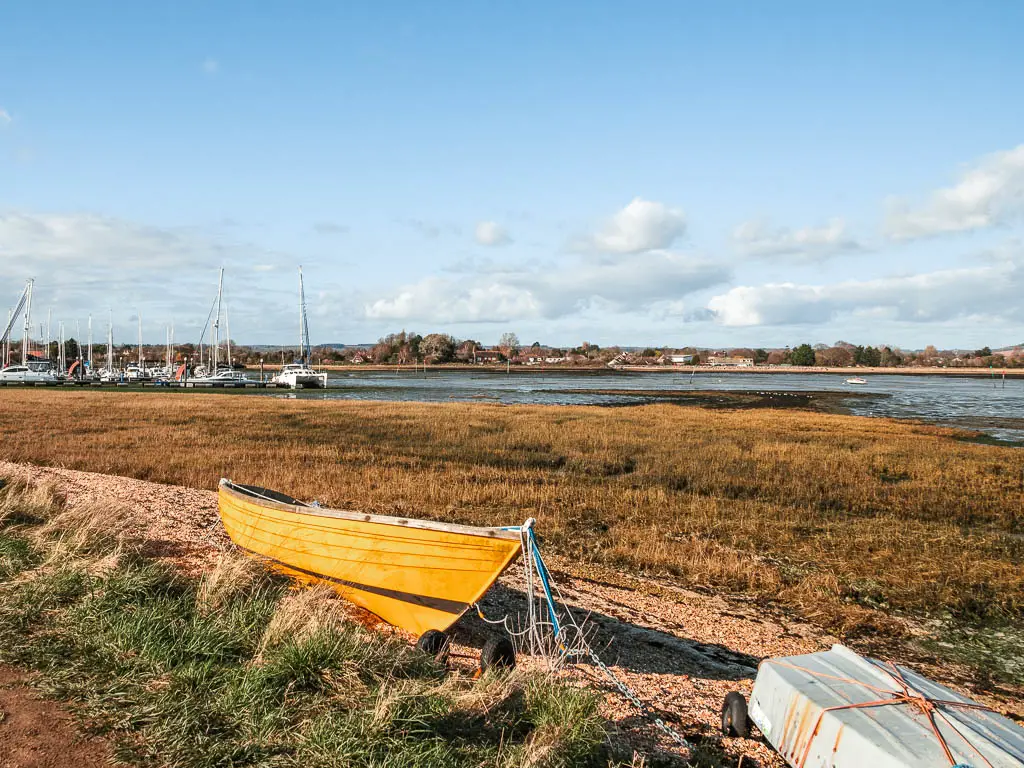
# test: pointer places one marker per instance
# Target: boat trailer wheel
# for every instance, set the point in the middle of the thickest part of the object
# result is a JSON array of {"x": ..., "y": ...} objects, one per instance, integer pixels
[
  {"x": 734, "y": 716},
  {"x": 498, "y": 654},
  {"x": 434, "y": 643}
]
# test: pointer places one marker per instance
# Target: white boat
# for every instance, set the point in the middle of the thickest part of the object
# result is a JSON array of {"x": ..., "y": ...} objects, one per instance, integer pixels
[
  {"x": 26, "y": 374},
  {"x": 856, "y": 380},
  {"x": 838, "y": 709},
  {"x": 223, "y": 376},
  {"x": 137, "y": 373},
  {"x": 299, "y": 375}
]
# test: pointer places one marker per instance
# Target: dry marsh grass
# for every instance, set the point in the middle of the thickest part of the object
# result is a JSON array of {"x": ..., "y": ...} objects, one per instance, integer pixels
[{"x": 837, "y": 515}]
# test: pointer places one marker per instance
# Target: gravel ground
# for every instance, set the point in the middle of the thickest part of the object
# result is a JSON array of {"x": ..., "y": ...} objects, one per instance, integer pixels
[{"x": 680, "y": 650}]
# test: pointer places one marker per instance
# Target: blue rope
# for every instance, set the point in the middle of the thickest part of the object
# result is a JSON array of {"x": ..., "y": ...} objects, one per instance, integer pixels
[{"x": 543, "y": 571}]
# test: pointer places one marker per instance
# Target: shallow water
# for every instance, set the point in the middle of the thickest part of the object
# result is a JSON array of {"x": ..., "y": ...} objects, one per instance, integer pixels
[{"x": 988, "y": 405}]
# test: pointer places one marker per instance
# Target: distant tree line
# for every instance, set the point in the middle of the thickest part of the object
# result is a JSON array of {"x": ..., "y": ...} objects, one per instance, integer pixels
[{"x": 405, "y": 347}]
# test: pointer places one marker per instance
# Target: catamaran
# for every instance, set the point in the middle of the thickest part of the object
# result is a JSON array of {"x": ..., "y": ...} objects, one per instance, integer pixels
[{"x": 299, "y": 375}]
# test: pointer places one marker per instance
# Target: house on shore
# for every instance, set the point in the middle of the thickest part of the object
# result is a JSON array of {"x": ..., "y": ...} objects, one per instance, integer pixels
[
  {"x": 733, "y": 362},
  {"x": 485, "y": 356}
]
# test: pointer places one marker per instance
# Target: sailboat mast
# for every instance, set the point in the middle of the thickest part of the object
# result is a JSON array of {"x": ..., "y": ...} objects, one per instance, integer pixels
[
  {"x": 110, "y": 341},
  {"x": 90, "y": 343},
  {"x": 48, "y": 334},
  {"x": 28, "y": 325},
  {"x": 227, "y": 332},
  {"x": 140, "y": 340},
  {"x": 303, "y": 325},
  {"x": 216, "y": 322}
]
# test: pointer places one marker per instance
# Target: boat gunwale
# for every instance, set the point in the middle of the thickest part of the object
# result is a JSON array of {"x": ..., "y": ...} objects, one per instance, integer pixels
[{"x": 362, "y": 517}]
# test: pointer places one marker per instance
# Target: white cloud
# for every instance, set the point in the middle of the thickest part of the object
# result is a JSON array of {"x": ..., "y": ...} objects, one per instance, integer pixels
[
  {"x": 211, "y": 66},
  {"x": 630, "y": 283},
  {"x": 989, "y": 194},
  {"x": 84, "y": 263},
  {"x": 5, "y": 117},
  {"x": 443, "y": 300},
  {"x": 759, "y": 239},
  {"x": 990, "y": 290},
  {"x": 58, "y": 240},
  {"x": 491, "y": 233},
  {"x": 642, "y": 225}
]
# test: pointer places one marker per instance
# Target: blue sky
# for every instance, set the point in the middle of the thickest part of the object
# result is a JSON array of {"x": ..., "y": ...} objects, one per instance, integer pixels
[{"x": 650, "y": 173}]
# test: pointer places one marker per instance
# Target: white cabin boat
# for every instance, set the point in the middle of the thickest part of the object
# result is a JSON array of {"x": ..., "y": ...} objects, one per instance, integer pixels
[
  {"x": 856, "y": 380},
  {"x": 300, "y": 376},
  {"x": 223, "y": 376},
  {"x": 26, "y": 374},
  {"x": 137, "y": 373}
]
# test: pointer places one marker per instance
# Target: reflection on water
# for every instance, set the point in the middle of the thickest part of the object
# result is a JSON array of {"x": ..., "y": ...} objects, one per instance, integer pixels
[{"x": 987, "y": 405}]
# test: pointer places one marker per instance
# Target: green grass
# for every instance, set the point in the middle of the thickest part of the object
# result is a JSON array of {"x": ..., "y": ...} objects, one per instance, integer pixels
[{"x": 237, "y": 670}]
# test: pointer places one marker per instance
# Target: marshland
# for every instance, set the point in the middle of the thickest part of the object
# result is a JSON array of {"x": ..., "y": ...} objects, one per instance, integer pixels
[
  {"x": 847, "y": 519},
  {"x": 901, "y": 539}
]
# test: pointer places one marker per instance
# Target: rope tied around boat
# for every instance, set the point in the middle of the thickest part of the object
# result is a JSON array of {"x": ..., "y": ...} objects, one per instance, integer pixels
[
  {"x": 565, "y": 641},
  {"x": 928, "y": 706}
]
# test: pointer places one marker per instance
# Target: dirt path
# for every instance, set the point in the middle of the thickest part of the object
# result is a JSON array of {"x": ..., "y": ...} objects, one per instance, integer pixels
[
  {"x": 36, "y": 733},
  {"x": 678, "y": 649}
]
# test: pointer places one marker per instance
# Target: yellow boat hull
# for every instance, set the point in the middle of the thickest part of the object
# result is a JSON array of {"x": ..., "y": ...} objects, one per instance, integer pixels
[{"x": 414, "y": 574}]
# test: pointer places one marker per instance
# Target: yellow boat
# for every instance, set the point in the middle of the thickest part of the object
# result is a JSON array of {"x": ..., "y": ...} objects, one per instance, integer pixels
[{"x": 414, "y": 574}]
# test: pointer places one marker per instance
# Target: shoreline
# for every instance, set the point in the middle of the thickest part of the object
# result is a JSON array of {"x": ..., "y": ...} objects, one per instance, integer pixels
[{"x": 604, "y": 370}]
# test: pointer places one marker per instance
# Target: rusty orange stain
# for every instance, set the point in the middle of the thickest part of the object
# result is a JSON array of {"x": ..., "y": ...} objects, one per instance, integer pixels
[{"x": 839, "y": 736}]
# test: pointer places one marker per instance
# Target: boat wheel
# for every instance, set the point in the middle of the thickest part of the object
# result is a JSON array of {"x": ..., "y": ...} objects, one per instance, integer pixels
[
  {"x": 734, "y": 716},
  {"x": 498, "y": 653},
  {"x": 434, "y": 643}
]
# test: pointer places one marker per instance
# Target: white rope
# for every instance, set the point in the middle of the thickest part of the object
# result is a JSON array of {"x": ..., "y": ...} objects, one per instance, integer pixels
[{"x": 570, "y": 645}]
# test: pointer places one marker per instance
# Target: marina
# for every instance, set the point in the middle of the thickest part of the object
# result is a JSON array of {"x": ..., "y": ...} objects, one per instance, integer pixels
[{"x": 214, "y": 367}]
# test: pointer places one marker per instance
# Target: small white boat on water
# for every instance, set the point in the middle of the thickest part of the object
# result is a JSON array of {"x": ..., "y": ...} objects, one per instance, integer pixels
[
  {"x": 299, "y": 375},
  {"x": 856, "y": 380},
  {"x": 838, "y": 709}
]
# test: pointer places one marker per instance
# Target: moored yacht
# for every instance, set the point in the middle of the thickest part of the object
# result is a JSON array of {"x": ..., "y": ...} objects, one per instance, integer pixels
[
  {"x": 223, "y": 376},
  {"x": 299, "y": 375},
  {"x": 27, "y": 374}
]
